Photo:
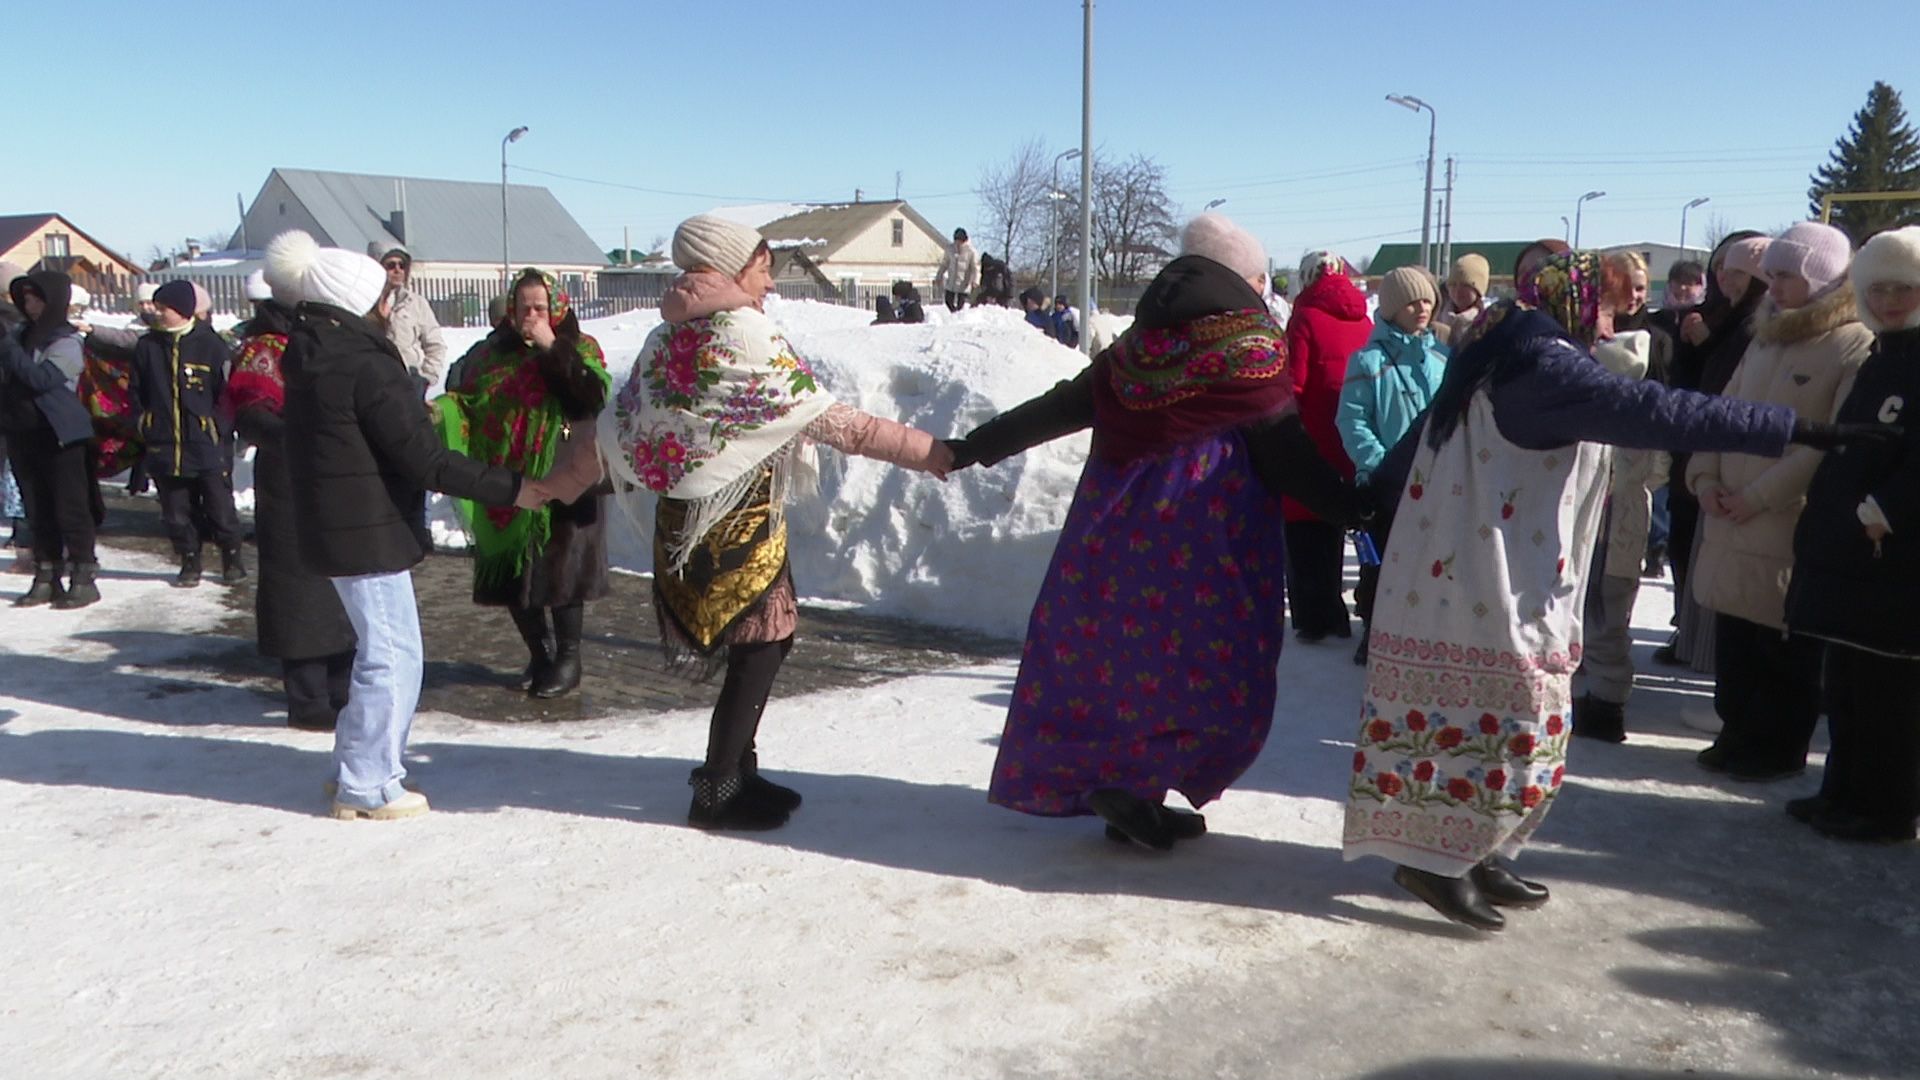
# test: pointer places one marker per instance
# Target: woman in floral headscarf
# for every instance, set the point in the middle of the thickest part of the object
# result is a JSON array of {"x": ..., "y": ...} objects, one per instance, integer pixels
[
  {"x": 1477, "y": 624},
  {"x": 714, "y": 420},
  {"x": 514, "y": 406}
]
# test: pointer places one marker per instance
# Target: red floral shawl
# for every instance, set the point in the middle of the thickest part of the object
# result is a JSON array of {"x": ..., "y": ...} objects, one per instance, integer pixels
[{"x": 1200, "y": 359}]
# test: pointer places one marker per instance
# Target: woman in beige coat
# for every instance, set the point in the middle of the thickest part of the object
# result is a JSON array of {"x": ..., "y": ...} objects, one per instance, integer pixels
[{"x": 1807, "y": 344}]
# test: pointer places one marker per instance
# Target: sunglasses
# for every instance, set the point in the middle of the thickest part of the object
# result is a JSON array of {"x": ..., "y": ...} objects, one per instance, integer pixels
[{"x": 394, "y": 265}]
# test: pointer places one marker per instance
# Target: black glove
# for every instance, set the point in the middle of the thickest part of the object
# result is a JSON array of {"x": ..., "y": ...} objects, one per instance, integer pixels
[
  {"x": 1824, "y": 436},
  {"x": 963, "y": 455}
]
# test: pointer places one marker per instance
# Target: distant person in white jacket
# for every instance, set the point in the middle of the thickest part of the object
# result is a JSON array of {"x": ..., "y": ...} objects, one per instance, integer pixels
[
  {"x": 959, "y": 271},
  {"x": 409, "y": 322}
]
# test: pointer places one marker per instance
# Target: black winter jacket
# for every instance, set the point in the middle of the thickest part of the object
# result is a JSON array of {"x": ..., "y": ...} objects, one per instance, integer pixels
[
  {"x": 178, "y": 380},
  {"x": 1843, "y": 589},
  {"x": 361, "y": 451}
]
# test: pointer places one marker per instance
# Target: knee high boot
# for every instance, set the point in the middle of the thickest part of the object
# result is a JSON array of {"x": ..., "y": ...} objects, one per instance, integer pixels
[
  {"x": 720, "y": 787},
  {"x": 532, "y": 624},
  {"x": 562, "y": 676}
]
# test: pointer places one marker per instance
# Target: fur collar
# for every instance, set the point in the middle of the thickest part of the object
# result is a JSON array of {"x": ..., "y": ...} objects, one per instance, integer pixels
[{"x": 1824, "y": 315}]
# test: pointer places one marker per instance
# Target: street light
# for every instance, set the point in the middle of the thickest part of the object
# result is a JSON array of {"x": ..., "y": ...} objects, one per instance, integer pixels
[
  {"x": 1701, "y": 201},
  {"x": 1408, "y": 101},
  {"x": 1211, "y": 205},
  {"x": 1086, "y": 176},
  {"x": 1566, "y": 229},
  {"x": 1577, "y": 208},
  {"x": 1054, "y": 195},
  {"x": 506, "y": 260}
]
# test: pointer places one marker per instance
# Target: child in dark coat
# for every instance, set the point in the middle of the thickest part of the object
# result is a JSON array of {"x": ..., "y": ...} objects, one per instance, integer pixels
[{"x": 1854, "y": 579}]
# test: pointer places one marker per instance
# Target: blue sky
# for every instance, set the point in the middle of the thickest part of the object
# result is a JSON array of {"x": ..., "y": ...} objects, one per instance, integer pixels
[{"x": 1276, "y": 107}]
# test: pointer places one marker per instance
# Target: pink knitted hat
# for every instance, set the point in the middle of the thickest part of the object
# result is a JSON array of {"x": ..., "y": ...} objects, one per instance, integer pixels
[
  {"x": 1819, "y": 253},
  {"x": 1747, "y": 255},
  {"x": 1216, "y": 237}
]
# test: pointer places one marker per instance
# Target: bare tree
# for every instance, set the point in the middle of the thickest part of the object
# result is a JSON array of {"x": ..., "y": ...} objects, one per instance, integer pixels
[
  {"x": 1717, "y": 230},
  {"x": 1133, "y": 219},
  {"x": 1013, "y": 192}
]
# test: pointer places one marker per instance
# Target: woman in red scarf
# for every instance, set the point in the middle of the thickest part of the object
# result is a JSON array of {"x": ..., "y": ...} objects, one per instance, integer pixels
[{"x": 1149, "y": 661}]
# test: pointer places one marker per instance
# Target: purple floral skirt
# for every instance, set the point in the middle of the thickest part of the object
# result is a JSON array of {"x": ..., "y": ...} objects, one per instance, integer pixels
[{"x": 1149, "y": 660}]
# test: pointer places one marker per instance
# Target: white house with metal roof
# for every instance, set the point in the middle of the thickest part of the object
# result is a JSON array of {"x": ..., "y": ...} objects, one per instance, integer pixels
[{"x": 451, "y": 227}]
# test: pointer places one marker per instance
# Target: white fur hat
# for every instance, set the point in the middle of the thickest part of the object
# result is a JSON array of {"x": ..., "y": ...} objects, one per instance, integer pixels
[
  {"x": 257, "y": 288},
  {"x": 707, "y": 241},
  {"x": 1216, "y": 237},
  {"x": 344, "y": 279},
  {"x": 1892, "y": 256},
  {"x": 143, "y": 292}
]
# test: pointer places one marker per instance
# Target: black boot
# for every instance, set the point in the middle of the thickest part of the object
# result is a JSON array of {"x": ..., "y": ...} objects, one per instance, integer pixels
[
  {"x": 233, "y": 570},
  {"x": 1360, "y": 653},
  {"x": 562, "y": 676},
  {"x": 1182, "y": 824},
  {"x": 758, "y": 788},
  {"x": 45, "y": 588},
  {"x": 189, "y": 575},
  {"x": 718, "y": 803},
  {"x": 532, "y": 624},
  {"x": 1458, "y": 898},
  {"x": 1500, "y": 885},
  {"x": 81, "y": 590},
  {"x": 1137, "y": 819},
  {"x": 1837, "y": 824},
  {"x": 1603, "y": 721},
  {"x": 1805, "y": 810}
]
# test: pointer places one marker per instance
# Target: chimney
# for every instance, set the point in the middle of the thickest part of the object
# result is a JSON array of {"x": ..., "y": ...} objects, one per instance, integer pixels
[
  {"x": 193, "y": 249},
  {"x": 857, "y": 193},
  {"x": 397, "y": 223}
]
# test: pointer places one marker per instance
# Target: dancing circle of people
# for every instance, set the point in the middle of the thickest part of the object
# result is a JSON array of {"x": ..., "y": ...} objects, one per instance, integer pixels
[{"x": 1492, "y": 460}]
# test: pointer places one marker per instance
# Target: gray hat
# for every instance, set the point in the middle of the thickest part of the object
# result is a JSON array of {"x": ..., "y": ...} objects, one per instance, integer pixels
[{"x": 709, "y": 242}]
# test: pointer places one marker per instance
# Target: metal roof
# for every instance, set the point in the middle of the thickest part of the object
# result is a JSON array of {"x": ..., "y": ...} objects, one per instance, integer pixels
[
  {"x": 838, "y": 225},
  {"x": 446, "y": 220}
]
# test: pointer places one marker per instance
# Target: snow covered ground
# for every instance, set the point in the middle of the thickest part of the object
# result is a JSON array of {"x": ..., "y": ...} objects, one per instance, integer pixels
[{"x": 176, "y": 904}]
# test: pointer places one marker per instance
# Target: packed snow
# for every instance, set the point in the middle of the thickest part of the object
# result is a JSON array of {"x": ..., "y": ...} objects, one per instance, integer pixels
[
  {"x": 178, "y": 904},
  {"x": 966, "y": 553}
]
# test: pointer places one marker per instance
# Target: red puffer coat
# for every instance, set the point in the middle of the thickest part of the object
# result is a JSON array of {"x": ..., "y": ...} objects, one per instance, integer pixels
[{"x": 1329, "y": 325}]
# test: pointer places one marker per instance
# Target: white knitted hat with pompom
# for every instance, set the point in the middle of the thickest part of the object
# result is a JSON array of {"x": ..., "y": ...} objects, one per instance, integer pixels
[{"x": 296, "y": 263}]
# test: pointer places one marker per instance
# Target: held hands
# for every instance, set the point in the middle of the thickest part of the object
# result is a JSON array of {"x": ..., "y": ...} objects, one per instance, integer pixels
[
  {"x": 1737, "y": 508},
  {"x": 533, "y": 495},
  {"x": 940, "y": 460}
]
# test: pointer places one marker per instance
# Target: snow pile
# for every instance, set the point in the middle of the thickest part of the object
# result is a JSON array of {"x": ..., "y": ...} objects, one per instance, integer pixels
[{"x": 967, "y": 553}]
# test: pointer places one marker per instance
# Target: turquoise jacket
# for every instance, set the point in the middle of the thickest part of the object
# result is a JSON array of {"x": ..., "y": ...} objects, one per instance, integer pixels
[{"x": 1389, "y": 382}]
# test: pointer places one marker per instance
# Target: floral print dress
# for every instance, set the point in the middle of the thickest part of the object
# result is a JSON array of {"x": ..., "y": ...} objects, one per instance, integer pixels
[
  {"x": 1149, "y": 660},
  {"x": 1476, "y": 636}
]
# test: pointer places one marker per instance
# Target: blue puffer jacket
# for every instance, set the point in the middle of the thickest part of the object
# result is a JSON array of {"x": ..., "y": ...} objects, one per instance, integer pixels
[{"x": 1389, "y": 382}]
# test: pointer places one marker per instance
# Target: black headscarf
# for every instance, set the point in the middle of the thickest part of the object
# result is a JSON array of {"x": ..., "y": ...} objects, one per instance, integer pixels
[
  {"x": 1712, "y": 362},
  {"x": 56, "y": 290}
]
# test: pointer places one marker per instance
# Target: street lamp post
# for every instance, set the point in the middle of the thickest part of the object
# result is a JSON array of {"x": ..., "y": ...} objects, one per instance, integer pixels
[
  {"x": 1086, "y": 177},
  {"x": 1054, "y": 195},
  {"x": 1577, "y": 208},
  {"x": 506, "y": 258},
  {"x": 1408, "y": 101},
  {"x": 1211, "y": 205},
  {"x": 1566, "y": 229},
  {"x": 1701, "y": 201}
]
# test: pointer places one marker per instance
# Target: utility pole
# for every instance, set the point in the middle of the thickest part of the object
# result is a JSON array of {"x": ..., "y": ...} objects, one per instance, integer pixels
[{"x": 1446, "y": 225}]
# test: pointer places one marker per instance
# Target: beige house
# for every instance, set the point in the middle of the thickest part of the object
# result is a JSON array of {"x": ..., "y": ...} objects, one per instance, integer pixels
[
  {"x": 871, "y": 244},
  {"x": 51, "y": 242}
]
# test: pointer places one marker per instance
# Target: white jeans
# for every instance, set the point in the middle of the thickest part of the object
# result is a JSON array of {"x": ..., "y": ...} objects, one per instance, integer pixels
[{"x": 372, "y": 730}]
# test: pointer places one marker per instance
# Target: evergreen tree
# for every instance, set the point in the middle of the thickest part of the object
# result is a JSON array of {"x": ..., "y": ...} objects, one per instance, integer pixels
[{"x": 1878, "y": 153}]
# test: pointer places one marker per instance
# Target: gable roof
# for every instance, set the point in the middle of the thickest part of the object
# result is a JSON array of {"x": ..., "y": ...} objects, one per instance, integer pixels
[
  {"x": 827, "y": 229},
  {"x": 446, "y": 220},
  {"x": 15, "y": 228},
  {"x": 1499, "y": 255}
]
